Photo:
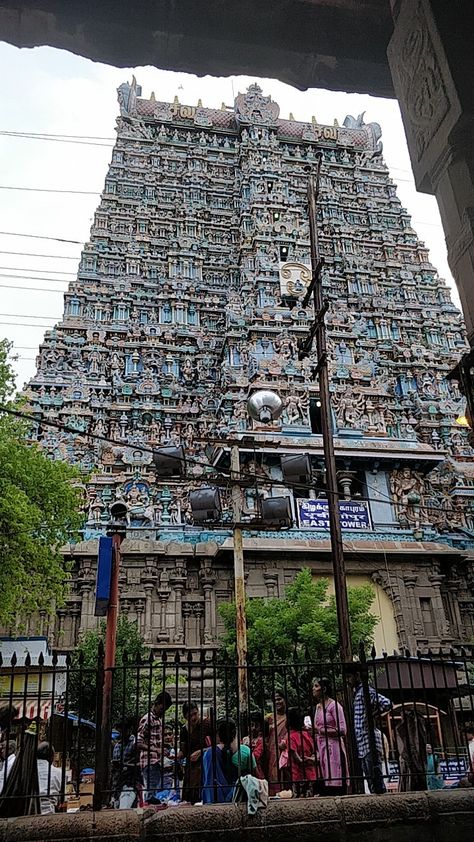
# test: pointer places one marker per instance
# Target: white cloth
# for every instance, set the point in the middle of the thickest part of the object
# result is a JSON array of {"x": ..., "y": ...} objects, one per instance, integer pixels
[
  {"x": 4, "y": 775},
  {"x": 50, "y": 798}
]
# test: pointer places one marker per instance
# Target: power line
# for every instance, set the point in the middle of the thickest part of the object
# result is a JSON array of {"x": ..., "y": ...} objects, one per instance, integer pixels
[
  {"x": 50, "y": 190},
  {"x": 27, "y": 316},
  {"x": 34, "y": 289},
  {"x": 14, "y": 133},
  {"x": 35, "y": 278},
  {"x": 28, "y": 269},
  {"x": 33, "y": 254},
  {"x": 19, "y": 136},
  {"x": 41, "y": 237},
  {"x": 25, "y": 324}
]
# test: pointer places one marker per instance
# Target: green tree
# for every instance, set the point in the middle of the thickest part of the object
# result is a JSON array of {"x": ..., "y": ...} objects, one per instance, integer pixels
[
  {"x": 40, "y": 509},
  {"x": 304, "y": 621},
  {"x": 297, "y": 634},
  {"x": 128, "y": 685}
]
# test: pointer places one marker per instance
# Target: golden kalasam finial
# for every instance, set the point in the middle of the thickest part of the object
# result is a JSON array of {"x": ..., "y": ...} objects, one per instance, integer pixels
[
  {"x": 291, "y": 116},
  {"x": 199, "y": 105},
  {"x": 176, "y": 100},
  {"x": 314, "y": 120},
  {"x": 152, "y": 97},
  {"x": 336, "y": 122}
]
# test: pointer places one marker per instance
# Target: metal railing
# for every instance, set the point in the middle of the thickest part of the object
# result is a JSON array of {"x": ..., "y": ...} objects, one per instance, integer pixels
[{"x": 310, "y": 728}]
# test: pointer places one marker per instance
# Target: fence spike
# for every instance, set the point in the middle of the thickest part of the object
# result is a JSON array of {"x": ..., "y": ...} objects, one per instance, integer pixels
[
  {"x": 214, "y": 657},
  {"x": 190, "y": 657},
  {"x": 202, "y": 657},
  {"x": 164, "y": 657},
  {"x": 151, "y": 657},
  {"x": 68, "y": 659},
  {"x": 407, "y": 653},
  {"x": 463, "y": 652},
  {"x": 80, "y": 658},
  {"x": 1, "y": 660},
  {"x": 41, "y": 660},
  {"x": 362, "y": 652},
  {"x": 452, "y": 654},
  {"x": 54, "y": 659},
  {"x": 13, "y": 660},
  {"x": 373, "y": 653},
  {"x": 177, "y": 658},
  {"x": 27, "y": 660}
]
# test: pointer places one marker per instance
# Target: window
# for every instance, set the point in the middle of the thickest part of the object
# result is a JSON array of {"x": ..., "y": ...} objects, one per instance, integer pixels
[{"x": 427, "y": 616}]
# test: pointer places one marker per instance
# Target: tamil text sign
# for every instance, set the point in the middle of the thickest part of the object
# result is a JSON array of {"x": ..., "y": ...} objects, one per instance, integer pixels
[{"x": 314, "y": 514}]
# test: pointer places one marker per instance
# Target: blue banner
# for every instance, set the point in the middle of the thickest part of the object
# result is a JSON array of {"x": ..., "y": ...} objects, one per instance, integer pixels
[
  {"x": 314, "y": 514},
  {"x": 104, "y": 575}
]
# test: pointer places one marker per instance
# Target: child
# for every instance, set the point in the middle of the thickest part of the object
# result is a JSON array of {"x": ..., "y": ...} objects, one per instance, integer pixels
[
  {"x": 259, "y": 730},
  {"x": 301, "y": 754},
  {"x": 169, "y": 759}
]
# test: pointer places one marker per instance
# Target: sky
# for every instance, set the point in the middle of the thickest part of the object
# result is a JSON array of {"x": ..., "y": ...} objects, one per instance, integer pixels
[{"x": 55, "y": 92}]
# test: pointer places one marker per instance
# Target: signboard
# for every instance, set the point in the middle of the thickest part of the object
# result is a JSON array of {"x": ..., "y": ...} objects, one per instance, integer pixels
[
  {"x": 104, "y": 575},
  {"x": 451, "y": 770},
  {"x": 314, "y": 514}
]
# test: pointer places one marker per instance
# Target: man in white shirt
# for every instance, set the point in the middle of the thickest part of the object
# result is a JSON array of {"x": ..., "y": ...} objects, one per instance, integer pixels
[
  {"x": 49, "y": 779},
  {"x": 7, "y": 756}
]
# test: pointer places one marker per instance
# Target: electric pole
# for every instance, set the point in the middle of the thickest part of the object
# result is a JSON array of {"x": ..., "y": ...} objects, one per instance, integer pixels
[{"x": 318, "y": 332}]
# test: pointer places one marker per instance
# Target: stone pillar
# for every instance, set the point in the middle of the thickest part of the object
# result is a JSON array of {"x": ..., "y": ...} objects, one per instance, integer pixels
[
  {"x": 442, "y": 624},
  {"x": 163, "y": 596},
  {"x": 187, "y": 611},
  {"x": 208, "y": 580},
  {"x": 271, "y": 583},
  {"x": 149, "y": 577},
  {"x": 140, "y": 609},
  {"x": 198, "y": 612},
  {"x": 410, "y": 581},
  {"x": 60, "y": 615},
  {"x": 429, "y": 57},
  {"x": 86, "y": 581},
  {"x": 178, "y": 582}
]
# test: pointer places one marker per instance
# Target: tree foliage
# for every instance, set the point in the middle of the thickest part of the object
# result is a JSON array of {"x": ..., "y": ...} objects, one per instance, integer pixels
[
  {"x": 293, "y": 639},
  {"x": 305, "y": 620},
  {"x": 40, "y": 509},
  {"x": 84, "y": 669}
]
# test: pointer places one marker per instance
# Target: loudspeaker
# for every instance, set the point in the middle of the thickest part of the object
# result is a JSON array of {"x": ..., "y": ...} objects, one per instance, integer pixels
[
  {"x": 169, "y": 461},
  {"x": 296, "y": 469},
  {"x": 205, "y": 505},
  {"x": 276, "y": 511}
]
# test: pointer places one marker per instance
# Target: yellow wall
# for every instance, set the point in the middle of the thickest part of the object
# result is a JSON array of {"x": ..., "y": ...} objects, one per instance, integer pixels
[{"x": 385, "y": 635}]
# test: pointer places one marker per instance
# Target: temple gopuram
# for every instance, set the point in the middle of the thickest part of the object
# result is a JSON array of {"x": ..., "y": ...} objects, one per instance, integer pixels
[{"x": 188, "y": 299}]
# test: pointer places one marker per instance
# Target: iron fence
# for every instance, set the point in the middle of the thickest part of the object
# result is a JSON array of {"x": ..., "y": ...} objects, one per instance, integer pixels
[{"x": 309, "y": 728}]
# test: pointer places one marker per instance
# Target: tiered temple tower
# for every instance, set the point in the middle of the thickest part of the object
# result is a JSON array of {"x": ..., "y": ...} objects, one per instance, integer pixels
[{"x": 188, "y": 298}]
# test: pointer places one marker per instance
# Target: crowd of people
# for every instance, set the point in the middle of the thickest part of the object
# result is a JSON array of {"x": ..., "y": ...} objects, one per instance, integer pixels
[
  {"x": 302, "y": 754},
  {"x": 289, "y": 750}
]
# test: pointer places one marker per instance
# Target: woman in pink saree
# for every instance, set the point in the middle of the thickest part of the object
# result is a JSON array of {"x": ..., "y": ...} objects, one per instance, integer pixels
[{"x": 330, "y": 731}]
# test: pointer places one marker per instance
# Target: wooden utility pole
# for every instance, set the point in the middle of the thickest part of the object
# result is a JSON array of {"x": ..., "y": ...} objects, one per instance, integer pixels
[
  {"x": 239, "y": 584},
  {"x": 318, "y": 332}
]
